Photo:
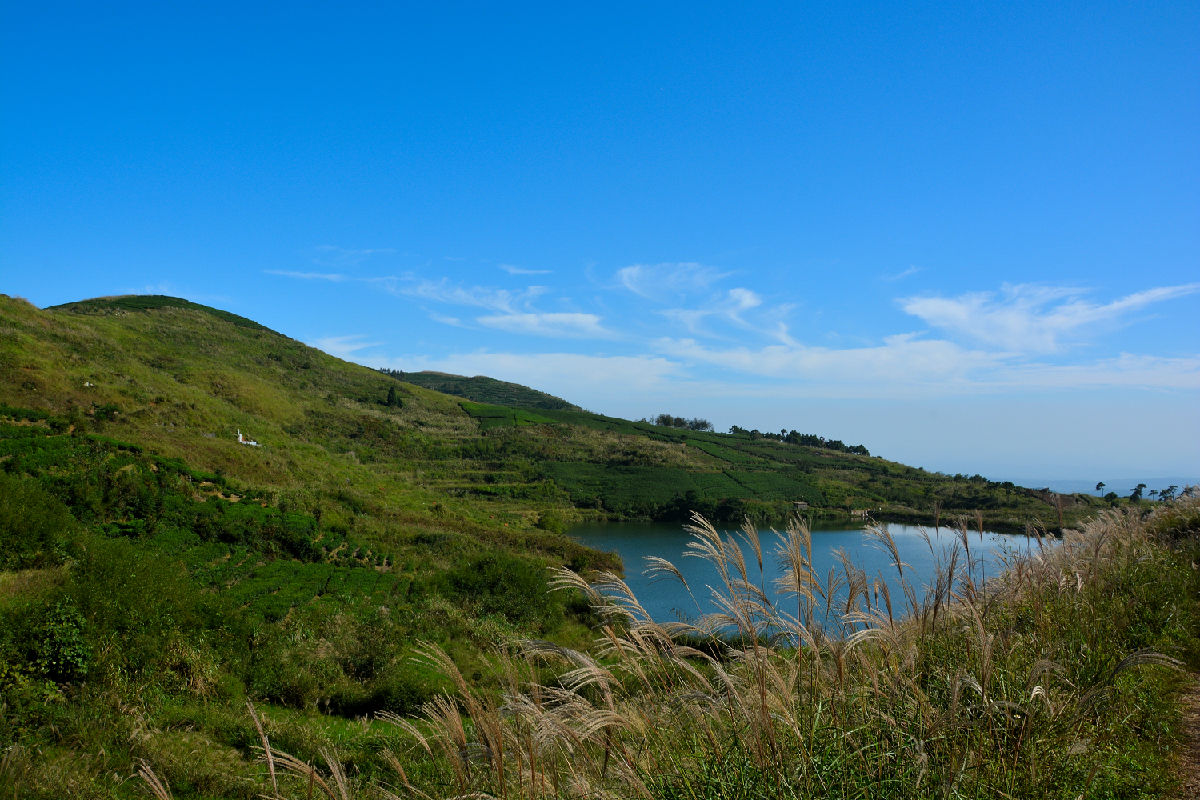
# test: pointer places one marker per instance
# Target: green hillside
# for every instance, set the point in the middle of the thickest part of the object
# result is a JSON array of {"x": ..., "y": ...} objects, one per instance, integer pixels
[
  {"x": 155, "y": 573},
  {"x": 180, "y": 379}
]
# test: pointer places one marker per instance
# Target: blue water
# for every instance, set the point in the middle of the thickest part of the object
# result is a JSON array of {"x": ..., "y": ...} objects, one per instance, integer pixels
[{"x": 666, "y": 600}]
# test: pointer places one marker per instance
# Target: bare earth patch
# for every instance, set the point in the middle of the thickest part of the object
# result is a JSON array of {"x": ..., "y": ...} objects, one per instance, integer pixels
[{"x": 1189, "y": 759}]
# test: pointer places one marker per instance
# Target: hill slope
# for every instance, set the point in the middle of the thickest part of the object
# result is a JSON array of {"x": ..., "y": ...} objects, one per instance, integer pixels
[
  {"x": 180, "y": 379},
  {"x": 483, "y": 389}
]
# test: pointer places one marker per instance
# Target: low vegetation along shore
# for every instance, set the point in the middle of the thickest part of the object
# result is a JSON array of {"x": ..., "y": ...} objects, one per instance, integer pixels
[{"x": 1060, "y": 678}]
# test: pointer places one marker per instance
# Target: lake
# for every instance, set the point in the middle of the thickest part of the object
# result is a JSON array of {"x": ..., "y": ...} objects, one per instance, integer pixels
[{"x": 666, "y": 600}]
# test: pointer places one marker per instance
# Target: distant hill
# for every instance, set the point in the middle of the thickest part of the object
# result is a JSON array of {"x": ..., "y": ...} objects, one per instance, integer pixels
[{"x": 483, "y": 389}]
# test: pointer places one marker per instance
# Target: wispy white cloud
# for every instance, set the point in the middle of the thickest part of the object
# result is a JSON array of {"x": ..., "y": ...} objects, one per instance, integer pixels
[
  {"x": 733, "y": 307},
  {"x": 346, "y": 347},
  {"x": 906, "y": 365},
  {"x": 445, "y": 320},
  {"x": 902, "y": 274},
  {"x": 733, "y": 341},
  {"x": 741, "y": 299},
  {"x": 573, "y": 325},
  {"x": 692, "y": 319},
  {"x": 1125, "y": 371},
  {"x": 668, "y": 282},
  {"x": 513, "y": 309},
  {"x": 1031, "y": 319},
  {"x": 333, "y": 277},
  {"x": 513, "y": 270},
  {"x": 506, "y": 301},
  {"x": 901, "y": 359}
]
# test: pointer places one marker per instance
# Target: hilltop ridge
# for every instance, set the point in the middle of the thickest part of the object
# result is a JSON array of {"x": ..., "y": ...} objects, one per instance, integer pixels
[{"x": 483, "y": 389}]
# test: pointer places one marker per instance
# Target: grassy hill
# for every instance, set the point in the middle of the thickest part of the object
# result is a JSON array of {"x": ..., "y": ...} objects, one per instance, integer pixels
[
  {"x": 179, "y": 379},
  {"x": 483, "y": 389},
  {"x": 155, "y": 573}
]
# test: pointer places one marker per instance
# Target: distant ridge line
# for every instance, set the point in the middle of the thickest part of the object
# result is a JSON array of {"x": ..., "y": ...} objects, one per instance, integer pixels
[
  {"x": 150, "y": 302},
  {"x": 482, "y": 389}
]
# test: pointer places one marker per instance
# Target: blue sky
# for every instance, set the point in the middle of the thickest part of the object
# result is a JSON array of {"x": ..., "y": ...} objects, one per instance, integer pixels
[{"x": 967, "y": 237}]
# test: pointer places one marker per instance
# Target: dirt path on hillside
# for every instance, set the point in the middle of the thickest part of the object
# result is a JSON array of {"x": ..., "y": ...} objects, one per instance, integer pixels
[{"x": 1189, "y": 756}]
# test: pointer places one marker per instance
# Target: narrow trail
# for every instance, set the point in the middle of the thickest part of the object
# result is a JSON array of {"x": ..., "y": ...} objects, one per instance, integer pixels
[{"x": 1189, "y": 757}]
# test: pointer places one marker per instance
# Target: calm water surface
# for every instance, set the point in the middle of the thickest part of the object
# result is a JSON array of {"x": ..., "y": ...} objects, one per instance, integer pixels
[{"x": 666, "y": 600}]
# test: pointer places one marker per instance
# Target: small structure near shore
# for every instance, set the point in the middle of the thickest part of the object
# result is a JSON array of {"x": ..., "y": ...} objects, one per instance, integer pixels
[{"x": 244, "y": 440}]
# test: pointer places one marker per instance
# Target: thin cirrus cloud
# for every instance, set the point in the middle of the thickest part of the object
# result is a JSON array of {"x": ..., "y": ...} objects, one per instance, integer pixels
[
  {"x": 729, "y": 306},
  {"x": 908, "y": 365},
  {"x": 902, "y": 274},
  {"x": 1126, "y": 371},
  {"x": 332, "y": 277},
  {"x": 440, "y": 291},
  {"x": 513, "y": 310},
  {"x": 732, "y": 308},
  {"x": 726, "y": 339},
  {"x": 573, "y": 325},
  {"x": 506, "y": 301},
  {"x": 1025, "y": 318},
  {"x": 345, "y": 347},
  {"x": 514, "y": 270},
  {"x": 901, "y": 359},
  {"x": 662, "y": 282}
]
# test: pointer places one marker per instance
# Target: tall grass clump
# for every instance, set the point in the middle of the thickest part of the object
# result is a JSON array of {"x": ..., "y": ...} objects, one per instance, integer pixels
[{"x": 1055, "y": 678}]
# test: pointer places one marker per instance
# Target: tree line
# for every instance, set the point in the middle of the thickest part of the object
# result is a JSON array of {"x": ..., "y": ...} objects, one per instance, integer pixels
[
  {"x": 789, "y": 437},
  {"x": 670, "y": 421},
  {"x": 806, "y": 439}
]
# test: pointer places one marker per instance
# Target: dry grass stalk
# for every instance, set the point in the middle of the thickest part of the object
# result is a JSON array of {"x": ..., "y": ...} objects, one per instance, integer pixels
[
  {"x": 155, "y": 786},
  {"x": 266, "y": 748},
  {"x": 845, "y": 669}
]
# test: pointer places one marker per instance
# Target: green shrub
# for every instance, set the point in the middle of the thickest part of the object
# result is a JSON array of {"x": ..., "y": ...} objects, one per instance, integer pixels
[
  {"x": 508, "y": 586},
  {"x": 36, "y": 529},
  {"x": 552, "y": 520},
  {"x": 64, "y": 651}
]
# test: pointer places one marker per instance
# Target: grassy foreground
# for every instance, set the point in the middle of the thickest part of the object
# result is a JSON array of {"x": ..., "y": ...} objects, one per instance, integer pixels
[{"x": 1058, "y": 679}]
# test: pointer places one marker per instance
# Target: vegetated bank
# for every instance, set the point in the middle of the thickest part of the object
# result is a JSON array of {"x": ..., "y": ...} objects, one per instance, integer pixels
[{"x": 1060, "y": 679}]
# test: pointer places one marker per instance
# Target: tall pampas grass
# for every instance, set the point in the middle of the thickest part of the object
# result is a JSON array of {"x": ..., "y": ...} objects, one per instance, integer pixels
[{"x": 845, "y": 688}]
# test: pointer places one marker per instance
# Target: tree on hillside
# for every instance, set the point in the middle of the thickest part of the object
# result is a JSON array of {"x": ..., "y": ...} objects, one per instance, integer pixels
[
  {"x": 671, "y": 421},
  {"x": 1100, "y": 486},
  {"x": 1136, "y": 494}
]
